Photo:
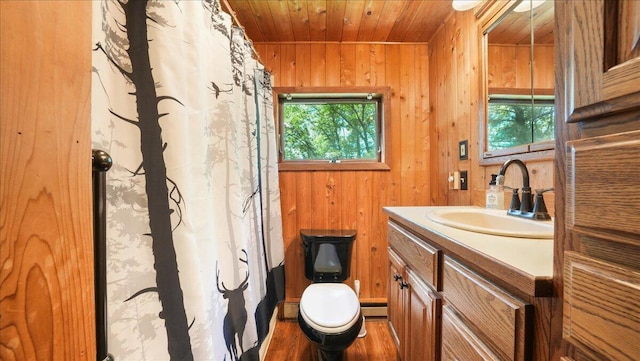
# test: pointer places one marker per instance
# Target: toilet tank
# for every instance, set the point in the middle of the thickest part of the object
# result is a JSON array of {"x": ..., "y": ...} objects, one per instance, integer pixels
[{"x": 327, "y": 254}]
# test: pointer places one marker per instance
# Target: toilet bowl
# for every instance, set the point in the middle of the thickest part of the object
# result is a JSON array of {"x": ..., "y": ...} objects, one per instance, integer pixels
[
  {"x": 329, "y": 313},
  {"x": 321, "y": 301},
  {"x": 330, "y": 318}
]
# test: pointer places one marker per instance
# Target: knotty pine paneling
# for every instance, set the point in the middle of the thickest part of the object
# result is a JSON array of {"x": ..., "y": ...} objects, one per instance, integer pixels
[
  {"x": 354, "y": 199},
  {"x": 454, "y": 95},
  {"x": 509, "y": 66},
  {"x": 339, "y": 20},
  {"x": 435, "y": 92},
  {"x": 46, "y": 240}
]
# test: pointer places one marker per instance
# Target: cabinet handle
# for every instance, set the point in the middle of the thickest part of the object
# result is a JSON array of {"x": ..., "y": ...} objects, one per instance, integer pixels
[
  {"x": 404, "y": 284},
  {"x": 396, "y": 277}
]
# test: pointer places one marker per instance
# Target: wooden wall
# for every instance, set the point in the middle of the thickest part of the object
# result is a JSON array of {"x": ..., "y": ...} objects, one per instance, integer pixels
[
  {"x": 435, "y": 104},
  {"x": 455, "y": 88},
  {"x": 509, "y": 66},
  {"x": 354, "y": 199},
  {"x": 46, "y": 240},
  {"x": 454, "y": 75}
]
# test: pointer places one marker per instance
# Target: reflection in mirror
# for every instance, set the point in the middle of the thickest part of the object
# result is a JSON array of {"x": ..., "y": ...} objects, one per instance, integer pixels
[{"x": 520, "y": 108}]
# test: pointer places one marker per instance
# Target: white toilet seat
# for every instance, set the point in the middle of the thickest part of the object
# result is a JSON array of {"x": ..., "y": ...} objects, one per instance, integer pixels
[{"x": 330, "y": 307}]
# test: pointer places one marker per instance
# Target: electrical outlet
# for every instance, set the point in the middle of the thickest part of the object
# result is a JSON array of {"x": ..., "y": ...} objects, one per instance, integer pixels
[{"x": 463, "y": 180}]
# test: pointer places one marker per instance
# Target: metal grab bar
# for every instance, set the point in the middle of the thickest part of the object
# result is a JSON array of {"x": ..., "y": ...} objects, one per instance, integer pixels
[{"x": 101, "y": 163}]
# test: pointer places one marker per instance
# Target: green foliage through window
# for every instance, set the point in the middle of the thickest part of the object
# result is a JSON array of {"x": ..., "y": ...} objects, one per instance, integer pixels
[
  {"x": 512, "y": 123},
  {"x": 330, "y": 129}
]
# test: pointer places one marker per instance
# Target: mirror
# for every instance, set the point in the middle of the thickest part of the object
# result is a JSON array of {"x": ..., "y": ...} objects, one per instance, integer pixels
[{"x": 519, "y": 116}]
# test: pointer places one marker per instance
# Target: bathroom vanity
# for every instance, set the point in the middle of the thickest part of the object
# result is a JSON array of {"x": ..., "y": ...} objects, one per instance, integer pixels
[{"x": 461, "y": 295}]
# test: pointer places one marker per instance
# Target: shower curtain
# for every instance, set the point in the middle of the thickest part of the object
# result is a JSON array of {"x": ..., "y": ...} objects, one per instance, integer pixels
[{"x": 195, "y": 259}]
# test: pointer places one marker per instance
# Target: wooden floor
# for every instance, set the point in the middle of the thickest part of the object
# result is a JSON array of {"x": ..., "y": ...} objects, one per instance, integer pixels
[{"x": 288, "y": 343}]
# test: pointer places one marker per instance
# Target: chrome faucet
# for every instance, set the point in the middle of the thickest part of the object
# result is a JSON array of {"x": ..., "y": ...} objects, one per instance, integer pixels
[{"x": 524, "y": 207}]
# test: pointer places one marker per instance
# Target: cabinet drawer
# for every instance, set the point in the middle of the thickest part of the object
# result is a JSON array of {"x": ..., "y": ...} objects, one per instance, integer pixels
[
  {"x": 500, "y": 320},
  {"x": 602, "y": 307},
  {"x": 420, "y": 256},
  {"x": 459, "y": 342}
]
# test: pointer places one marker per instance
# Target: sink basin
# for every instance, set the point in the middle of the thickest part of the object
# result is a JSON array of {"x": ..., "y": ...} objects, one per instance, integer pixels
[{"x": 491, "y": 222}]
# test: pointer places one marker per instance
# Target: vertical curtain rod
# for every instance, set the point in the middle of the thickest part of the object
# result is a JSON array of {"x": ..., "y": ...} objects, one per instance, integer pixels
[{"x": 101, "y": 162}]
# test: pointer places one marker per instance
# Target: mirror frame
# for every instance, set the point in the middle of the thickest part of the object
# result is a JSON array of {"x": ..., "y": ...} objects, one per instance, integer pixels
[{"x": 489, "y": 15}]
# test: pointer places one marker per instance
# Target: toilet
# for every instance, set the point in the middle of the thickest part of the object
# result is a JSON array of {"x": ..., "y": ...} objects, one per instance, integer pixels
[{"x": 329, "y": 313}]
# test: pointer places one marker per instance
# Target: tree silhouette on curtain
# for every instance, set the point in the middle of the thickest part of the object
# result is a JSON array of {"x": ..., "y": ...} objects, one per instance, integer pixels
[{"x": 154, "y": 170}]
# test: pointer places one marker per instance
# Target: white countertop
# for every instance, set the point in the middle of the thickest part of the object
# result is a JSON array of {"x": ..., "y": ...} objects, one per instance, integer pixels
[{"x": 532, "y": 256}]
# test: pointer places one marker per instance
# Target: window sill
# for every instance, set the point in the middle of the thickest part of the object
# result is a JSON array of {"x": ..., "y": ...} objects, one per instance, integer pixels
[
  {"x": 528, "y": 152},
  {"x": 326, "y": 166}
]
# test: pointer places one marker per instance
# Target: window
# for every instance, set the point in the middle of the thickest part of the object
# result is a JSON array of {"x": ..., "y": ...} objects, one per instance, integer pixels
[
  {"x": 323, "y": 129},
  {"x": 517, "y": 120},
  {"x": 330, "y": 129}
]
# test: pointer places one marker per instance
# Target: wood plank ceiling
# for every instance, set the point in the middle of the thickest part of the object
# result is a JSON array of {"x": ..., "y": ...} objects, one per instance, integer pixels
[
  {"x": 386, "y": 21},
  {"x": 341, "y": 20},
  {"x": 514, "y": 28}
]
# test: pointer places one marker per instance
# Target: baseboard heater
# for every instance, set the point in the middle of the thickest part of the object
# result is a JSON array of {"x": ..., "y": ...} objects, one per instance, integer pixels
[{"x": 290, "y": 310}]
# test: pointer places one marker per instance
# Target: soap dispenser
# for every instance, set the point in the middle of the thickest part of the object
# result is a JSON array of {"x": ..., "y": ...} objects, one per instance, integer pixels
[{"x": 495, "y": 195}]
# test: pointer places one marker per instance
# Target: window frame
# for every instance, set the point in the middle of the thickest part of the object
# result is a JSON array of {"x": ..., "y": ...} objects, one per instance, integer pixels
[{"x": 383, "y": 163}]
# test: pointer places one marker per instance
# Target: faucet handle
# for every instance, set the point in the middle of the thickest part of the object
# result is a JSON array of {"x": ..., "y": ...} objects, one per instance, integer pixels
[
  {"x": 515, "y": 201},
  {"x": 539, "y": 207}
]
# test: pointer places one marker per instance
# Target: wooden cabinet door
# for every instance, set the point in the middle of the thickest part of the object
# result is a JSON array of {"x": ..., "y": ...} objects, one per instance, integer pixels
[
  {"x": 502, "y": 321},
  {"x": 599, "y": 57},
  {"x": 46, "y": 240},
  {"x": 423, "y": 309},
  {"x": 395, "y": 301},
  {"x": 602, "y": 307},
  {"x": 459, "y": 342},
  {"x": 597, "y": 251}
]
